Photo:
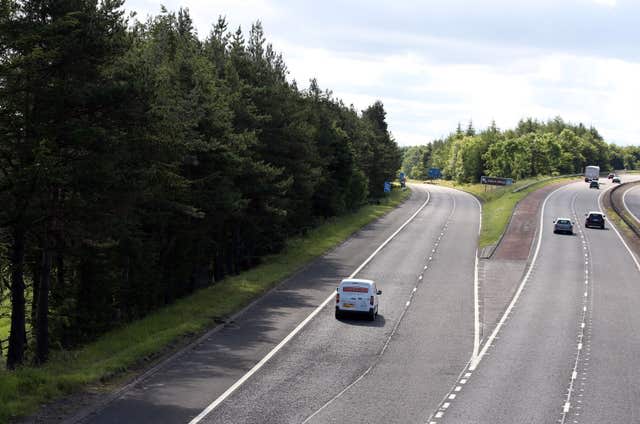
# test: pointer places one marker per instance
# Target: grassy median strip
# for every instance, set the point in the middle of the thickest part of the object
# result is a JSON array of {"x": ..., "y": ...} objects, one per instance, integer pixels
[
  {"x": 116, "y": 352},
  {"x": 498, "y": 203},
  {"x": 619, "y": 223}
]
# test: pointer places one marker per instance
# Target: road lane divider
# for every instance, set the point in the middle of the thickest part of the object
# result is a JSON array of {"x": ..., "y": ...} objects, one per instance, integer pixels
[
  {"x": 523, "y": 283},
  {"x": 393, "y": 332},
  {"x": 477, "y": 357},
  {"x": 567, "y": 406},
  {"x": 213, "y": 405}
]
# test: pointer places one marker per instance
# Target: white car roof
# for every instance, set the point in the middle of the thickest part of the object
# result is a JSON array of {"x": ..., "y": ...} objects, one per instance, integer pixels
[
  {"x": 356, "y": 281},
  {"x": 562, "y": 217}
]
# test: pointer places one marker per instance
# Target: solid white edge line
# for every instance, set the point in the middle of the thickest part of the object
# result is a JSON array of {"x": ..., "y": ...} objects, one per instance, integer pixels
[
  {"x": 476, "y": 338},
  {"x": 496, "y": 330},
  {"x": 476, "y": 306},
  {"x": 633, "y": 256},
  {"x": 300, "y": 326},
  {"x": 476, "y": 302},
  {"x": 624, "y": 203}
]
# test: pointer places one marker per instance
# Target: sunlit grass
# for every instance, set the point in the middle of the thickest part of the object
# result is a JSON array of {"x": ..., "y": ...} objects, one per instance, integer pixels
[
  {"x": 118, "y": 351},
  {"x": 498, "y": 203}
]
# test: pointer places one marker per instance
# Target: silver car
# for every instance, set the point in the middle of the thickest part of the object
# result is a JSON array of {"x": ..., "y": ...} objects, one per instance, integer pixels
[{"x": 562, "y": 225}]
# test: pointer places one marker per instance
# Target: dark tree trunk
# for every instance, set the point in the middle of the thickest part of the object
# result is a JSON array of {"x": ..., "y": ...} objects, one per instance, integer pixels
[
  {"x": 18, "y": 334},
  {"x": 125, "y": 291},
  {"x": 218, "y": 265},
  {"x": 42, "y": 314},
  {"x": 35, "y": 266}
]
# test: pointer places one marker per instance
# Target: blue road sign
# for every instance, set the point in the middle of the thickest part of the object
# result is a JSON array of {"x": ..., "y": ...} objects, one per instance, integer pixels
[
  {"x": 387, "y": 187},
  {"x": 495, "y": 180},
  {"x": 435, "y": 173}
]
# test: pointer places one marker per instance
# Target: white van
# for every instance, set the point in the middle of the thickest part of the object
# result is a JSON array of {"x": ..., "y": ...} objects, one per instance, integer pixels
[{"x": 356, "y": 295}]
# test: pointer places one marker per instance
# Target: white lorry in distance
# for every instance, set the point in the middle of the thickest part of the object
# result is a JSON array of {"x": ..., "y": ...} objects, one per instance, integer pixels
[{"x": 591, "y": 172}]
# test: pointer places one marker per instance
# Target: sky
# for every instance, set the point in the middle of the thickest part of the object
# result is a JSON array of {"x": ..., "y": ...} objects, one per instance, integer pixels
[{"x": 435, "y": 64}]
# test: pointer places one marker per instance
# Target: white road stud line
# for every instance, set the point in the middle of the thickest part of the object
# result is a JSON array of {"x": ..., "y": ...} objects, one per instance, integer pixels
[
  {"x": 515, "y": 298},
  {"x": 574, "y": 373},
  {"x": 380, "y": 354},
  {"x": 476, "y": 302},
  {"x": 300, "y": 326},
  {"x": 476, "y": 338}
]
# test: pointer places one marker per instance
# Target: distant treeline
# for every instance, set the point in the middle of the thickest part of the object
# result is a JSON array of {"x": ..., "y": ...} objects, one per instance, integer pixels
[
  {"x": 138, "y": 163},
  {"x": 532, "y": 148}
]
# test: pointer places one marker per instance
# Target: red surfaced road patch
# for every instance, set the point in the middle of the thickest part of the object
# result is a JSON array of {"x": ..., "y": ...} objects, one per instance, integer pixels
[{"x": 517, "y": 240}]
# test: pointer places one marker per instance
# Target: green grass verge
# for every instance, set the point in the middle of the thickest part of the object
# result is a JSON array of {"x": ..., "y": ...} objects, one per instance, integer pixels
[
  {"x": 619, "y": 223},
  {"x": 618, "y": 220},
  {"x": 113, "y": 354},
  {"x": 5, "y": 322},
  {"x": 498, "y": 204}
]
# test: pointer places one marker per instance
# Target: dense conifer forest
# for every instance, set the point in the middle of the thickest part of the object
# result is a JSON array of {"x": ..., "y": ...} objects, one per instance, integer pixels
[{"x": 140, "y": 161}]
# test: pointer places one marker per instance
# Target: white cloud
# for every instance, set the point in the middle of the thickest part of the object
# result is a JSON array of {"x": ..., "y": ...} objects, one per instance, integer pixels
[
  {"x": 426, "y": 100},
  {"x": 609, "y": 3},
  {"x": 430, "y": 80}
]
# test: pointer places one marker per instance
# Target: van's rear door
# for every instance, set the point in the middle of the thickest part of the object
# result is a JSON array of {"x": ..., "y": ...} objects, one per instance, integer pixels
[{"x": 355, "y": 297}]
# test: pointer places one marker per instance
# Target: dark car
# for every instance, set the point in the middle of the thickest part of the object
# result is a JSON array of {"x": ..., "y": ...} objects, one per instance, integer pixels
[
  {"x": 610, "y": 176},
  {"x": 594, "y": 184},
  {"x": 594, "y": 219}
]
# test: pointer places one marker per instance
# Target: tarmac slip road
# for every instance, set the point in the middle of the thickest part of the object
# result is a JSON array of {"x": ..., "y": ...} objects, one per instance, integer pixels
[
  {"x": 392, "y": 370},
  {"x": 567, "y": 350},
  {"x": 327, "y": 354},
  {"x": 631, "y": 200}
]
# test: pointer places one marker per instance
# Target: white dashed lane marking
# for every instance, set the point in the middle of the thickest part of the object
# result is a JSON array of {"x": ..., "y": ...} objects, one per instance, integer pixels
[
  {"x": 395, "y": 328},
  {"x": 567, "y": 407}
]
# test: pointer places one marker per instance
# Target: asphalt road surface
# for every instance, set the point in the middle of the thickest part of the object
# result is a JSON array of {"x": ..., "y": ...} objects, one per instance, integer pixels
[
  {"x": 411, "y": 354},
  {"x": 567, "y": 351},
  {"x": 397, "y": 368},
  {"x": 631, "y": 199},
  {"x": 564, "y": 352}
]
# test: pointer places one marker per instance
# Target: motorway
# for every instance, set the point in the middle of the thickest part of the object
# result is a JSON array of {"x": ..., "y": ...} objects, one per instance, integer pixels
[
  {"x": 565, "y": 350},
  {"x": 424, "y": 335}
]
